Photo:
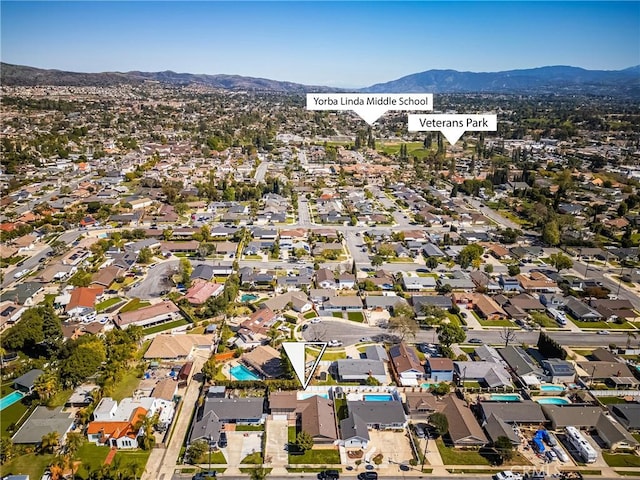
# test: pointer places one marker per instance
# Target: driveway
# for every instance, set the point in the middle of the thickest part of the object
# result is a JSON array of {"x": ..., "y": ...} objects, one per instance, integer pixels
[
  {"x": 277, "y": 438},
  {"x": 394, "y": 446}
]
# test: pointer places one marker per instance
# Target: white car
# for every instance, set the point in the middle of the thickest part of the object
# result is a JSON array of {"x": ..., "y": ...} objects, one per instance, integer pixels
[
  {"x": 335, "y": 343},
  {"x": 315, "y": 320},
  {"x": 603, "y": 332},
  {"x": 508, "y": 475}
]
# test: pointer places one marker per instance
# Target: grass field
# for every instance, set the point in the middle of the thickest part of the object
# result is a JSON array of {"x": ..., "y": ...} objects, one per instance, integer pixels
[
  {"x": 30, "y": 464},
  {"x": 10, "y": 416},
  {"x": 255, "y": 457},
  {"x": 544, "y": 320},
  {"x": 164, "y": 326},
  {"x": 356, "y": 316},
  {"x": 621, "y": 459},
  {"x": 602, "y": 325},
  {"x": 331, "y": 356},
  {"x": 326, "y": 457},
  {"x": 126, "y": 386},
  {"x": 311, "y": 314},
  {"x": 134, "y": 304},
  {"x": 91, "y": 456},
  {"x": 108, "y": 303},
  {"x": 453, "y": 456},
  {"x": 337, "y": 314}
]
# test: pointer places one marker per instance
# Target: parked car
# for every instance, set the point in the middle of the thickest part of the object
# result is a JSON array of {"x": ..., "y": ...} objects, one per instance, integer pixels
[
  {"x": 475, "y": 340},
  {"x": 551, "y": 456},
  {"x": 315, "y": 320},
  {"x": 368, "y": 476},
  {"x": 603, "y": 332},
  {"x": 420, "y": 431},
  {"x": 335, "y": 343},
  {"x": 508, "y": 475},
  {"x": 329, "y": 475}
]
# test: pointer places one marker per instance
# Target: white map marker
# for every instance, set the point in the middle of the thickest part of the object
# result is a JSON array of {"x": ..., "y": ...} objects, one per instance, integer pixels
[{"x": 296, "y": 351}]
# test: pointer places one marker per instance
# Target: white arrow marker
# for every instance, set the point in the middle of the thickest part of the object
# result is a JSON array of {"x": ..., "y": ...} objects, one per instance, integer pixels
[{"x": 296, "y": 351}]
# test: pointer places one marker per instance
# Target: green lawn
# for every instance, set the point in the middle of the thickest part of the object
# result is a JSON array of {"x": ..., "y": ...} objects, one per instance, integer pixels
[
  {"x": 217, "y": 457},
  {"x": 337, "y": 314},
  {"x": 91, "y": 456},
  {"x": 496, "y": 323},
  {"x": 255, "y": 457},
  {"x": 126, "y": 458},
  {"x": 326, "y": 457},
  {"x": 311, "y": 314},
  {"x": 108, "y": 303},
  {"x": 602, "y": 325},
  {"x": 249, "y": 428},
  {"x": 164, "y": 326},
  {"x": 340, "y": 406},
  {"x": 12, "y": 415},
  {"x": 621, "y": 459},
  {"x": 454, "y": 456},
  {"x": 544, "y": 320},
  {"x": 355, "y": 316},
  {"x": 134, "y": 304},
  {"x": 59, "y": 399},
  {"x": 454, "y": 318},
  {"x": 30, "y": 464},
  {"x": 611, "y": 400},
  {"x": 331, "y": 355},
  {"x": 126, "y": 386}
]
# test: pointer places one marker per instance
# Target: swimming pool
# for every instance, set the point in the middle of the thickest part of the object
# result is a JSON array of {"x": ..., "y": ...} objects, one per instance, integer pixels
[
  {"x": 240, "y": 372},
  {"x": 428, "y": 385},
  {"x": 552, "y": 388},
  {"x": 498, "y": 397},
  {"x": 248, "y": 297},
  {"x": 377, "y": 398},
  {"x": 553, "y": 401},
  {"x": 10, "y": 399}
]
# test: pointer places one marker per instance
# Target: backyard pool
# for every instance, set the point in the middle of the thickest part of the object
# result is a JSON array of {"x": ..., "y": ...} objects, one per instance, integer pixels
[
  {"x": 427, "y": 386},
  {"x": 498, "y": 397},
  {"x": 10, "y": 399},
  {"x": 240, "y": 372},
  {"x": 248, "y": 297},
  {"x": 552, "y": 388},
  {"x": 378, "y": 398},
  {"x": 553, "y": 401}
]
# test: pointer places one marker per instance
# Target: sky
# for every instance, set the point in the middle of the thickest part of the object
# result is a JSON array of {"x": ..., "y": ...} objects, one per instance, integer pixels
[{"x": 341, "y": 44}]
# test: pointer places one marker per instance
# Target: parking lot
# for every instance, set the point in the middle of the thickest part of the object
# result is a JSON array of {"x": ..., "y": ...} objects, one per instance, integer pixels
[{"x": 394, "y": 446}]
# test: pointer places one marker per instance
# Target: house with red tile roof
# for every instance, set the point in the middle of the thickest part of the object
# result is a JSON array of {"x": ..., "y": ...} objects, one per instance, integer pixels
[
  {"x": 201, "y": 290},
  {"x": 82, "y": 302}
]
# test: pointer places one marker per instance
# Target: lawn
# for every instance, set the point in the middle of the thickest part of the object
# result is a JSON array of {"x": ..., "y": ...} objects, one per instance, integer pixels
[
  {"x": 454, "y": 318},
  {"x": 164, "y": 326},
  {"x": 544, "y": 320},
  {"x": 216, "y": 457},
  {"x": 611, "y": 400},
  {"x": 311, "y": 314},
  {"x": 249, "y": 428},
  {"x": 496, "y": 323},
  {"x": 125, "y": 458},
  {"x": 621, "y": 459},
  {"x": 337, "y": 314},
  {"x": 126, "y": 386},
  {"x": 108, "y": 303},
  {"x": 325, "y": 457},
  {"x": 12, "y": 415},
  {"x": 59, "y": 399},
  {"x": 355, "y": 316},
  {"x": 454, "y": 456},
  {"x": 30, "y": 464},
  {"x": 340, "y": 406},
  {"x": 255, "y": 457},
  {"x": 134, "y": 304},
  {"x": 92, "y": 457},
  {"x": 332, "y": 356},
  {"x": 602, "y": 325}
]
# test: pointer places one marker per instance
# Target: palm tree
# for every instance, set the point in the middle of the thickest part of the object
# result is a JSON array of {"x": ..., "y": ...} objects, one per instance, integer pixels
[
  {"x": 49, "y": 442},
  {"x": 147, "y": 440},
  {"x": 46, "y": 386},
  {"x": 73, "y": 444}
]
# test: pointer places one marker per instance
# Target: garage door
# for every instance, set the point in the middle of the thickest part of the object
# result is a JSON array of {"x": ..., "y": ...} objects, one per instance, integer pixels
[{"x": 280, "y": 417}]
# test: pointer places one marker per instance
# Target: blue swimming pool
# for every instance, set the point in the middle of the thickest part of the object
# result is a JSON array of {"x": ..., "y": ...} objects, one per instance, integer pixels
[
  {"x": 10, "y": 399},
  {"x": 498, "y": 397},
  {"x": 378, "y": 398},
  {"x": 428, "y": 385},
  {"x": 552, "y": 388},
  {"x": 248, "y": 297},
  {"x": 553, "y": 401},
  {"x": 240, "y": 372}
]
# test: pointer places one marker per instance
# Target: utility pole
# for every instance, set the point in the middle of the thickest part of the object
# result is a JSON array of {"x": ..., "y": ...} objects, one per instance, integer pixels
[{"x": 426, "y": 450}]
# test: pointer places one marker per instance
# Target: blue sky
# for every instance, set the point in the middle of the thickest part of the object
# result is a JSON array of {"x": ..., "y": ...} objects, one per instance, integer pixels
[{"x": 321, "y": 43}]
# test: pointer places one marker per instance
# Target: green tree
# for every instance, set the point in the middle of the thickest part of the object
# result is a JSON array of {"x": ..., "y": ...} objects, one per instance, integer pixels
[
  {"x": 46, "y": 385},
  {"x": 433, "y": 315},
  {"x": 560, "y": 261},
  {"x": 551, "y": 233},
  {"x": 403, "y": 322},
  {"x": 468, "y": 254},
  {"x": 504, "y": 447},
  {"x": 6, "y": 450},
  {"x": 304, "y": 441},
  {"x": 513, "y": 269},
  {"x": 185, "y": 271},
  {"x": 449, "y": 333},
  {"x": 145, "y": 255},
  {"x": 209, "y": 369},
  {"x": 197, "y": 450},
  {"x": 442, "y": 389},
  {"x": 84, "y": 357},
  {"x": 377, "y": 260},
  {"x": 431, "y": 263},
  {"x": 488, "y": 268},
  {"x": 439, "y": 422},
  {"x": 50, "y": 442},
  {"x": 147, "y": 440},
  {"x": 372, "y": 381}
]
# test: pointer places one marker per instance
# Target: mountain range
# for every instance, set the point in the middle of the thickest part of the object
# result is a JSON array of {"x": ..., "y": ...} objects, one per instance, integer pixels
[{"x": 543, "y": 80}]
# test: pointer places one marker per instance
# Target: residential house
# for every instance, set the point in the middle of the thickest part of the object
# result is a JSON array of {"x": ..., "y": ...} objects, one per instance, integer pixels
[
  {"x": 484, "y": 283},
  {"x": 362, "y": 415},
  {"x": 202, "y": 290},
  {"x": 26, "y": 382},
  {"x": 628, "y": 414},
  {"x": 520, "y": 362},
  {"x": 316, "y": 416},
  {"x": 486, "y": 373},
  {"x": 202, "y": 272},
  {"x": 383, "y": 302},
  {"x": 464, "y": 430},
  {"x": 10, "y": 313},
  {"x": 82, "y": 303},
  {"x": 526, "y": 412},
  {"x": 265, "y": 360},
  {"x": 439, "y": 369},
  {"x": 421, "y": 302},
  {"x": 296, "y": 301},
  {"x": 581, "y": 311},
  {"x": 23, "y": 293},
  {"x": 613, "y": 373},
  {"x": 487, "y": 308},
  {"x": 260, "y": 321},
  {"x": 406, "y": 367},
  {"x": 343, "y": 303},
  {"x": 163, "y": 312},
  {"x": 346, "y": 281},
  {"x": 537, "y": 282},
  {"x": 376, "y": 352},
  {"x": 413, "y": 283},
  {"x": 325, "y": 279},
  {"x": 215, "y": 413},
  {"x": 360, "y": 370},
  {"x": 178, "y": 346},
  {"x": 509, "y": 284},
  {"x": 420, "y": 405},
  {"x": 42, "y": 422},
  {"x": 615, "y": 309},
  {"x": 558, "y": 371}
]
